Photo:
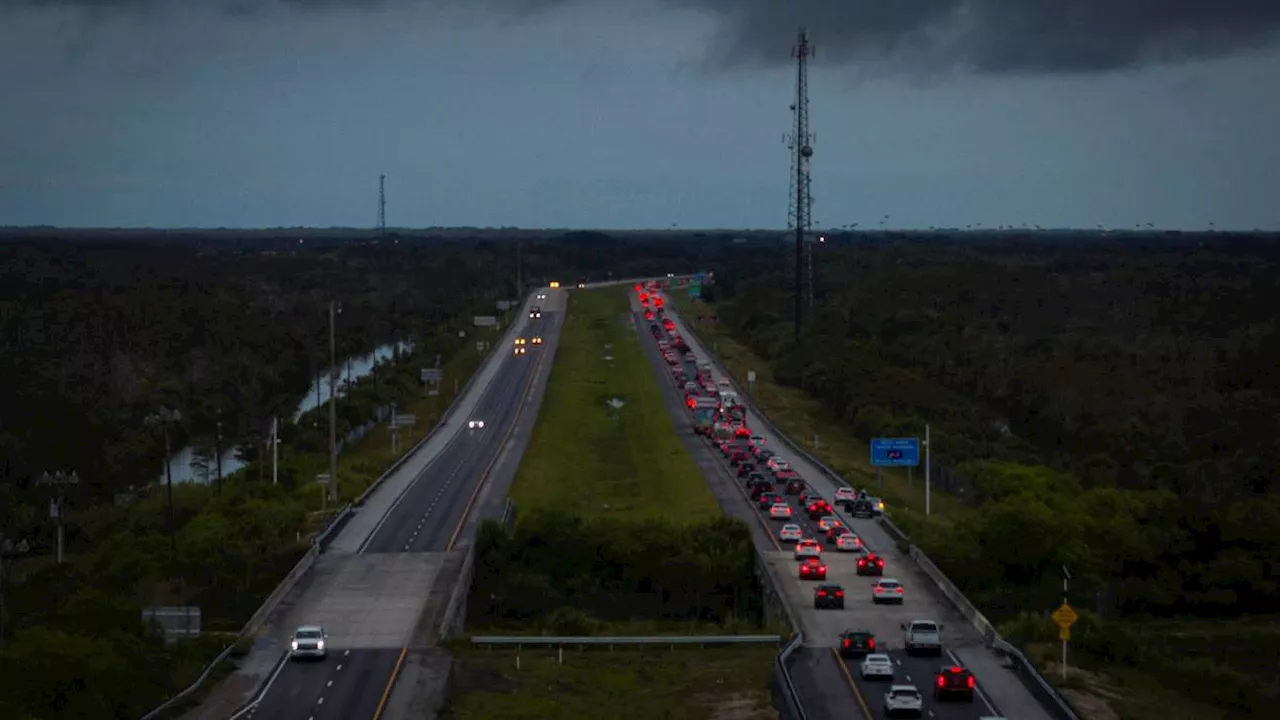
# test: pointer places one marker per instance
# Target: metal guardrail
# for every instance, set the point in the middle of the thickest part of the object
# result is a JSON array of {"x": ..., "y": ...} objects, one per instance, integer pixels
[
  {"x": 547, "y": 640},
  {"x": 1054, "y": 699},
  {"x": 180, "y": 697},
  {"x": 790, "y": 696}
]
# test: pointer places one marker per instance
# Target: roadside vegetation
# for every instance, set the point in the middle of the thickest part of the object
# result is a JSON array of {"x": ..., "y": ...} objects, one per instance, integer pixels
[
  {"x": 618, "y": 534},
  {"x": 1107, "y": 407},
  {"x": 97, "y": 335},
  {"x": 726, "y": 683}
]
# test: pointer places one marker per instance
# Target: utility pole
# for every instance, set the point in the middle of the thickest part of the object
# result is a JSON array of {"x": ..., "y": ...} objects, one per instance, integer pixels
[
  {"x": 928, "y": 469},
  {"x": 59, "y": 481},
  {"x": 275, "y": 450},
  {"x": 801, "y": 145},
  {"x": 217, "y": 452},
  {"x": 519, "y": 271},
  {"x": 333, "y": 401},
  {"x": 382, "y": 205},
  {"x": 163, "y": 418}
]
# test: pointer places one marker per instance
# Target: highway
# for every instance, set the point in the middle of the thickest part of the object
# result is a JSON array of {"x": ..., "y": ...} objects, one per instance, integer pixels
[
  {"x": 425, "y": 520},
  {"x": 1000, "y": 692}
]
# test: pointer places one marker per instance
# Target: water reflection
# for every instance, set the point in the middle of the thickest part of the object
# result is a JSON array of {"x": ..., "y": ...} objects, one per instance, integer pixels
[{"x": 192, "y": 464}]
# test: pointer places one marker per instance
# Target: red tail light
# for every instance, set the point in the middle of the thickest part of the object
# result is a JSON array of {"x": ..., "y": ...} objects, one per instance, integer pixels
[
  {"x": 846, "y": 642},
  {"x": 880, "y": 563},
  {"x": 899, "y": 591},
  {"x": 839, "y": 593},
  {"x": 822, "y": 593},
  {"x": 970, "y": 682},
  {"x": 862, "y": 563},
  {"x": 871, "y": 643},
  {"x": 942, "y": 682}
]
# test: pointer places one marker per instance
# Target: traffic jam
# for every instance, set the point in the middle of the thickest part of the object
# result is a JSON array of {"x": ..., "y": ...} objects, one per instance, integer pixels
[{"x": 805, "y": 523}]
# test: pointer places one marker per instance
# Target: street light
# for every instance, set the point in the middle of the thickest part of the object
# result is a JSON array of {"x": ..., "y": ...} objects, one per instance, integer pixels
[
  {"x": 334, "y": 309},
  {"x": 59, "y": 480},
  {"x": 163, "y": 418}
]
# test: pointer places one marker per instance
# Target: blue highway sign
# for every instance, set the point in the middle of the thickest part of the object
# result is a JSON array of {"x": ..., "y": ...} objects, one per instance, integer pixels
[{"x": 895, "y": 452}]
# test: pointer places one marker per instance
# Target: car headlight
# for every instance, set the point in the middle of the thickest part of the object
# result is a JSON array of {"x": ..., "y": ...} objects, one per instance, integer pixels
[
  {"x": 294, "y": 645},
  {"x": 320, "y": 645}
]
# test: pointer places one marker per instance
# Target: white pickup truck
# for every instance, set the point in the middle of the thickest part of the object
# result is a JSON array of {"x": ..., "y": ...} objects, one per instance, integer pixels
[{"x": 922, "y": 636}]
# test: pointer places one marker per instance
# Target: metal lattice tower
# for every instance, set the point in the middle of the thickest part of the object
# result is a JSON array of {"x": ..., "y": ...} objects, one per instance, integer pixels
[
  {"x": 800, "y": 203},
  {"x": 382, "y": 205}
]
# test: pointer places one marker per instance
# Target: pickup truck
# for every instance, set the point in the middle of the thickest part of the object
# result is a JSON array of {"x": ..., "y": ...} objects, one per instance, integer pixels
[{"x": 922, "y": 636}]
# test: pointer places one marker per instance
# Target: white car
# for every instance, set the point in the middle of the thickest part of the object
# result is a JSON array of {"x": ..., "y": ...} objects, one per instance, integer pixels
[
  {"x": 776, "y": 463},
  {"x": 308, "y": 642},
  {"x": 848, "y": 542},
  {"x": 877, "y": 666},
  {"x": 887, "y": 590},
  {"x": 780, "y": 511},
  {"x": 475, "y": 424},
  {"x": 903, "y": 701},
  {"x": 790, "y": 533},
  {"x": 846, "y": 493},
  {"x": 807, "y": 548}
]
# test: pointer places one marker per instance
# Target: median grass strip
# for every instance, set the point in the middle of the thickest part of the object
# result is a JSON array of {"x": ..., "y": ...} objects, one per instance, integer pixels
[
  {"x": 807, "y": 423},
  {"x": 604, "y": 444},
  {"x": 723, "y": 683}
]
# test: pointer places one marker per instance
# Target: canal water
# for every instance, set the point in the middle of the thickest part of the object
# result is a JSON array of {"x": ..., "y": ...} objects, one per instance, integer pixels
[{"x": 191, "y": 465}]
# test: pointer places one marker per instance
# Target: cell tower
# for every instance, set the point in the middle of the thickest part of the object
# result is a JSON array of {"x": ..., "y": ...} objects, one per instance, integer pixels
[
  {"x": 800, "y": 203},
  {"x": 382, "y": 205}
]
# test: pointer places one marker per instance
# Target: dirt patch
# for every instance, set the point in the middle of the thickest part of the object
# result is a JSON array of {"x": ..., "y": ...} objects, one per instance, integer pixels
[
  {"x": 470, "y": 676},
  {"x": 737, "y": 705}
]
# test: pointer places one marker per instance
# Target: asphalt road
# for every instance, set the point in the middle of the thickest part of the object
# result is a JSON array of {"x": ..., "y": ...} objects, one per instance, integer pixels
[
  {"x": 427, "y": 515},
  {"x": 815, "y": 668},
  {"x": 351, "y": 683}
]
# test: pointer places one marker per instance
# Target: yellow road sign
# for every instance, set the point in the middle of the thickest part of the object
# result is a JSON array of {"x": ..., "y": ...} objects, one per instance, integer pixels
[
  {"x": 1064, "y": 616},
  {"x": 1064, "y": 634}
]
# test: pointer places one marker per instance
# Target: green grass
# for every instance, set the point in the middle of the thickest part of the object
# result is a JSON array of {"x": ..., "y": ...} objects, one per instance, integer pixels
[
  {"x": 730, "y": 683},
  {"x": 802, "y": 418},
  {"x": 595, "y": 460}
]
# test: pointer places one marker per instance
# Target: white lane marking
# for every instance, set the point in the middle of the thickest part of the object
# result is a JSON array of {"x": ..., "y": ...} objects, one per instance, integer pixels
[
  {"x": 329, "y": 684},
  {"x": 320, "y": 701},
  {"x": 981, "y": 695},
  {"x": 253, "y": 708}
]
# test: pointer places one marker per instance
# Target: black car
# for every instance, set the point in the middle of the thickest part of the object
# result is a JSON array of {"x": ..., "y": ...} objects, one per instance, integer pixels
[
  {"x": 755, "y": 477},
  {"x": 860, "y": 508},
  {"x": 856, "y": 643},
  {"x": 746, "y": 468},
  {"x": 954, "y": 683},
  {"x": 828, "y": 597},
  {"x": 795, "y": 487}
]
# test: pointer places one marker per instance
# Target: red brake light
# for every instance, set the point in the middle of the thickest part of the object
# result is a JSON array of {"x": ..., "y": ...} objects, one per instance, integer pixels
[
  {"x": 862, "y": 563},
  {"x": 970, "y": 682},
  {"x": 942, "y": 681},
  {"x": 899, "y": 591},
  {"x": 956, "y": 670},
  {"x": 839, "y": 593},
  {"x": 846, "y": 642},
  {"x": 871, "y": 643},
  {"x": 880, "y": 562},
  {"x": 822, "y": 593}
]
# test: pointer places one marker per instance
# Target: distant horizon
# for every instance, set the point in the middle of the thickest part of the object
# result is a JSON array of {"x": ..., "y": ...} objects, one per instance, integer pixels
[{"x": 672, "y": 231}]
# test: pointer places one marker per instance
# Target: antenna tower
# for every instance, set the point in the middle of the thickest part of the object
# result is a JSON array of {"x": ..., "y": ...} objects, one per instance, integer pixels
[
  {"x": 382, "y": 205},
  {"x": 800, "y": 203}
]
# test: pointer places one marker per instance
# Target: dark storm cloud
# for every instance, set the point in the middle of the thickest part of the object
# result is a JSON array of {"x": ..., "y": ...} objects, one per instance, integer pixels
[{"x": 986, "y": 36}]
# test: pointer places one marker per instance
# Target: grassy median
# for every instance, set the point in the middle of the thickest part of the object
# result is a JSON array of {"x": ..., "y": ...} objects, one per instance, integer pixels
[
  {"x": 604, "y": 444},
  {"x": 625, "y": 683}
]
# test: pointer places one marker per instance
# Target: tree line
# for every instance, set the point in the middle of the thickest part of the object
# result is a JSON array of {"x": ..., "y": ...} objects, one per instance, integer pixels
[
  {"x": 99, "y": 335},
  {"x": 1112, "y": 407},
  {"x": 565, "y": 573}
]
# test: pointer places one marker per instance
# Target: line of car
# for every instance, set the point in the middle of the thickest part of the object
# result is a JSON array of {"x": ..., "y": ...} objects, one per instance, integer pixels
[{"x": 773, "y": 485}]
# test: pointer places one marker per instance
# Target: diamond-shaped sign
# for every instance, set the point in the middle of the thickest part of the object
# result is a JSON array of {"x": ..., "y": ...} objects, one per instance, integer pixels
[{"x": 1064, "y": 616}]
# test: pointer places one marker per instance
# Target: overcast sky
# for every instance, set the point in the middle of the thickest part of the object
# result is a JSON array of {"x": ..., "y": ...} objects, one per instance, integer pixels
[{"x": 638, "y": 114}]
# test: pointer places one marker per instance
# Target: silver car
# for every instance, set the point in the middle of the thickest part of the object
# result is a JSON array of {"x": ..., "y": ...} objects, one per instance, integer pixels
[
  {"x": 903, "y": 701},
  {"x": 308, "y": 642},
  {"x": 877, "y": 666}
]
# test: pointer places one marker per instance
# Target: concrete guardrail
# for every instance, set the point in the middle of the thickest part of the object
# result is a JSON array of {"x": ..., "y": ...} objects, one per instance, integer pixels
[{"x": 550, "y": 640}]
